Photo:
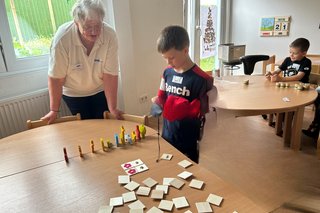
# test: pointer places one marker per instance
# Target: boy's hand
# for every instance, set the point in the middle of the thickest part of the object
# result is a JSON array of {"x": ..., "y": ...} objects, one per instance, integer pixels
[{"x": 275, "y": 78}]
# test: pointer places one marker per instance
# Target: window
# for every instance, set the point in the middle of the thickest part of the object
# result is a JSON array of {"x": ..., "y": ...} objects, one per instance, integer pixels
[
  {"x": 26, "y": 30},
  {"x": 204, "y": 28}
]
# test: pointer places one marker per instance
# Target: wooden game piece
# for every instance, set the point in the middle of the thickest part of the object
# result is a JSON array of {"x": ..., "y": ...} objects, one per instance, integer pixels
[
  {"x": 166, "y": 156},
  {"x": 137, "y": 205},
  {"x": 196, "y": 184},
  {"x": 166, "y": 181},
  {"x": 116, "y": 201},
  {"x": 131, "y": 186},
  {"x": 185, "y": 175},
  {"x": 102, "y": 145},
  {"x": 164, "y": 188},
  {"x": 135, "y": 210},
  {"x": 109, "y": 144},
  {"x": 80, "y": 151},
  {"x": 157, "y": 194},
  {"x": 150, "y": 182},
  {"x": 138, "y": 133},
  {"x": 246, "y": 82},
  {"x": 154, "y": 210},
  {"x": 180, "y": 202},
  {"x": 65, "y": 155},
  {"x": 92, "y": 146},
  {"x": 133, "y": 136},
  {"x": 122, "y": 142},
  {"x": 142, "y": 130},
  {"x": 188, "y": 211},
  {"x": 123, "y": 179},
  {"x": 166, "y": 205},
  {"x": 143, "y": 191},
  {"x": 128, "y": 197},
  {"x": 203, "y": 207},
  {"x": 214, "y": 199},
  {"x": 116, "y": 140},
  {"x": 105, "y": 209},
  {"x": 185, "y": 163},
  {"x": 176, "y": 183}
]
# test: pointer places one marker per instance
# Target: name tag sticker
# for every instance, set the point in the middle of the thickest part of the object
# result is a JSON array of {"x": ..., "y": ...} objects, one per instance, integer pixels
[
  {"x": 177, "y": 79},
  {"x": 77, "y": 67}
]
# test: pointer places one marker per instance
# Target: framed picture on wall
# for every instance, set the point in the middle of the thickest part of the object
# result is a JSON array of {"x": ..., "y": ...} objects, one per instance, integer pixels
[{"x": 275, "y": 26}]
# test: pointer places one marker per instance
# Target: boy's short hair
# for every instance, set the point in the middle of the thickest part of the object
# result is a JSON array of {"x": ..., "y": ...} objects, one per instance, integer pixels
[
  {"x": 301, "y": 43},
  {"x": 172, "y": 37}
]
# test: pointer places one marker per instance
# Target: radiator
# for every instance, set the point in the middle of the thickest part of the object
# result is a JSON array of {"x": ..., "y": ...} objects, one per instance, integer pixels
[{"x": 15, "y": 112}]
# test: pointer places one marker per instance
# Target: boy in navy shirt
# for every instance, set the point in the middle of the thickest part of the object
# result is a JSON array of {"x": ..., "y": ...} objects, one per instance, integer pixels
[{"x": 183, "y": 92}]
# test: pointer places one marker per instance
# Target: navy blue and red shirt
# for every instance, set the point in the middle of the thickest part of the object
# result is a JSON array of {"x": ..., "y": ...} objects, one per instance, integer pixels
[{"x": 184, "y": 95}]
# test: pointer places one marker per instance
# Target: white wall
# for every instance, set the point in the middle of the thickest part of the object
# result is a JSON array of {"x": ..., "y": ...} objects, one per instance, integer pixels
[
  {"x": 245, "y": 24},
  {"x": 138, "y": 24}
]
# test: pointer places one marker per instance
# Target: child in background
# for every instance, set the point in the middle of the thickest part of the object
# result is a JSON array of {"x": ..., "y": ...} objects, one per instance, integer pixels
[
  {"x": 297, "y": 66},
  {"x": 183, "y": 92}
]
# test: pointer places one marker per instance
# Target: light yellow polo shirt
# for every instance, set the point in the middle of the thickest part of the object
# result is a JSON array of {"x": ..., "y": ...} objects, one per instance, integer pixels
[{"x": 69, "y": 60}]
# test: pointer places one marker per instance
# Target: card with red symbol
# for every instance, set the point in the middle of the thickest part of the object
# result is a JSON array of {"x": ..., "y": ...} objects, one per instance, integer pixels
[{"x": 134, "y": 167}]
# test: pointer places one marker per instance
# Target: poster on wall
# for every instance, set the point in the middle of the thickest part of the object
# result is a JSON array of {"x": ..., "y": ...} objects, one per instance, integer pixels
[{"x": 275, "y": 26}]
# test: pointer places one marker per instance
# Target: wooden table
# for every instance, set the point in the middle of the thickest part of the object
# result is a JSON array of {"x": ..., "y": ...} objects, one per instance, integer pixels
[
  {"x": 35, "y": 178},
  {"x": 264, "y": 97}
]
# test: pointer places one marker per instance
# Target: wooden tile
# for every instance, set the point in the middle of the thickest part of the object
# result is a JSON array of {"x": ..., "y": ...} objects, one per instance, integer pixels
[
  {"x": 123, "y": 179},
  {"x": 185, "y": 163},
  {"x": 214, "y": 199},
  {"x": 180, "y": 202},
  {"x": 166, "y": 156},
  {"x": 136, "y": 211},
  {"x": 188, "y": 211},
  {"x": 116, "y": 201},
  {"x": 203, "y": 207},
  {"x": 185, "y": 175},
  {"x": 143, "y": 190},
  {"x": 128, "y": 197},
  {"x": 154, "y": 210},
  {"x": 132, "y": 186},
  {"x": 176, "y": 183},
  {"x": 136, "y": 205},
  {"x": 196, "y": 184},
  {"x": 164, "y": 188},
  {"x": 150, "y": 182},
  {"x": 166, "y": 181},
  {"x": 157, "y": 194},
  {"x": 166, "y": 205},
  {"x": 105, "y": 209}
]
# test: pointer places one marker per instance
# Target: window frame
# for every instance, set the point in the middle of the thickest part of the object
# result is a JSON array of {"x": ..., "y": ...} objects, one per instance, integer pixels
[{"x": 10, "y": 64}]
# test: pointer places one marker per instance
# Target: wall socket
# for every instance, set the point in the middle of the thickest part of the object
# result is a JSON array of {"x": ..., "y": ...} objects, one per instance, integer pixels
[{"x": 143, "y": 98}]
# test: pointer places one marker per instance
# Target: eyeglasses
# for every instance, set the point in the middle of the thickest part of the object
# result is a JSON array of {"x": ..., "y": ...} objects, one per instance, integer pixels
[{"x": 92, "y": 28}]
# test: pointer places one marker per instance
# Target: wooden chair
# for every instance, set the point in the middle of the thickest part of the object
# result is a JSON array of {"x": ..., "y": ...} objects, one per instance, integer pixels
[
  {"x": 271, "y": 61},
  {"x": 38, "y": 123},
  {"x": 127, "y": 117}
]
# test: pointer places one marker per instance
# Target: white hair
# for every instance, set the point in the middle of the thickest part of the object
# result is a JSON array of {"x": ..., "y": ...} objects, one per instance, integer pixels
[{"x": 88, "y": 9}]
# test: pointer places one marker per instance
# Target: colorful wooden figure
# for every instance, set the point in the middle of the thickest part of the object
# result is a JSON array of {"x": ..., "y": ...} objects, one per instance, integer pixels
[
  {"x": 80, "y": 151},
  {"x": 143, "y": 130},
  {"x": 92, "y": 146},
  {"x": 116, "y": 139},
  {"x": 102, "y": 145},
  {"x": 109, "y": 144},
  {"x": 133, "y": 136},
  {"x": 65, "y": 155},
  {"x": 122, "y": 136},
  {"x": 138, "y": 133}
]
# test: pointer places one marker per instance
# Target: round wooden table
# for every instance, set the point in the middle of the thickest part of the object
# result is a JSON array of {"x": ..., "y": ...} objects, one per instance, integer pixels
[
  {"x": 261, "y": 96},
  {"x": 35, "y": 178}
]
